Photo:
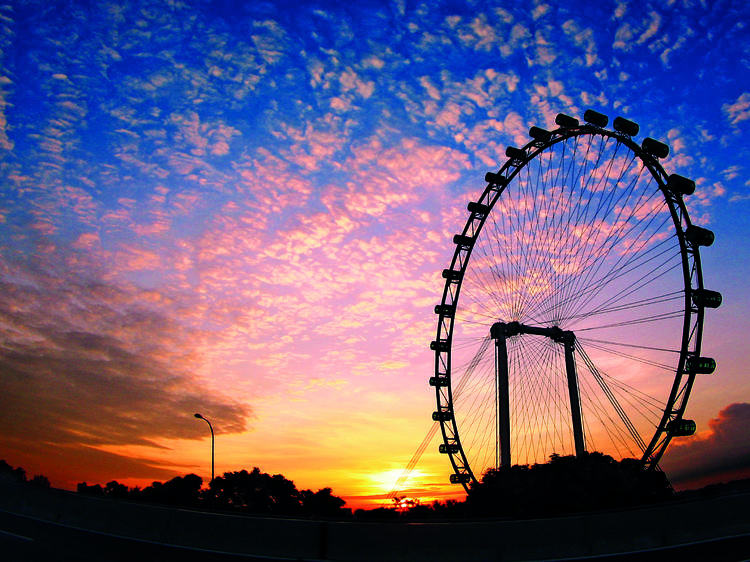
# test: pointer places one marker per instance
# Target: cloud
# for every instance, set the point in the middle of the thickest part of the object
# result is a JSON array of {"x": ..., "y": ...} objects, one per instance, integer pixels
[
  {"x": 739, "y": 110},
  {"x": 73, "y": 464},
  {"x": 651, "y": 29},
  {"x": 623, "y": 36},
  {"x": 270, "y": 40},
  {"x": 582, "y": 38},
  {"x": 724, "y": 449},
  {"x": 89, "y": 363}
]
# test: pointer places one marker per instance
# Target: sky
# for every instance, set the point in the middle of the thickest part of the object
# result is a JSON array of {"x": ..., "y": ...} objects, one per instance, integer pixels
[{"x": 243, "y": 209}]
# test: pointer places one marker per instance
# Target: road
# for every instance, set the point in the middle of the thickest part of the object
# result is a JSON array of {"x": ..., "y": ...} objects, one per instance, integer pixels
[{"x": 25, "y": 539}]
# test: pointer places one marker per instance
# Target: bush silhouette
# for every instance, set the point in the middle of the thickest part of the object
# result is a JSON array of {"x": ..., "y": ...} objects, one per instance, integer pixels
[{"x": 566, "y": 484}]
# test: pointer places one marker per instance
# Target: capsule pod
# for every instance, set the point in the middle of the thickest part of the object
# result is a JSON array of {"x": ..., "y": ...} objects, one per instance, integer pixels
[
  {"x": 655, "y": 148},
  {"x": 478, "y": 208},
  {"x": 681, "y": 428},
  {"x": 538, "y": 133},
  {"x": 460, "y": 478},
  {"x": 566, "y": 120},
  {"x": 515, "y": 153},
  {"x": 496, "y": 179},
  {"x": 700, "y": 365},
  {"x": 452, "y": 274},
  {"x": 707, "y": 298},
  {"x": 439, "y": 381},
  {"x": 698, "y": 236},
  {"x": 450, "y": 448},
  {"x": 680, "y": 185},
  {"x": 439, "y": 345},
  {"x": 595, "y": 118},
  {"x": 462, "y": 240},
  {"x": 445, "y": 310},
  {"x": 626, "y": 126},
  {"x": 442, "y": 415}
]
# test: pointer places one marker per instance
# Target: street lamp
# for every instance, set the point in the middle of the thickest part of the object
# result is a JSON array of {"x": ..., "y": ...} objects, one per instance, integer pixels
[{"x": 212, "y": 442}]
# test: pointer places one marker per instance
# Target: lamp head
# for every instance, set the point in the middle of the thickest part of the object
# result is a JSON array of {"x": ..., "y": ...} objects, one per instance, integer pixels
[{"x": 198, "y": 416}]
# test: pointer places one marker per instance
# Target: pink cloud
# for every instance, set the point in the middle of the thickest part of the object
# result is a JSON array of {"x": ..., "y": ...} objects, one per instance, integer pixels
[
  {"x": 739, "y": 110},
  {"x": 385, "y": 178}
]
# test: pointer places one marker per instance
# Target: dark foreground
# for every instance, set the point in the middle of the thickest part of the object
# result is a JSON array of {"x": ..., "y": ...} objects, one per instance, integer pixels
[{"x": 44, "y": 524}]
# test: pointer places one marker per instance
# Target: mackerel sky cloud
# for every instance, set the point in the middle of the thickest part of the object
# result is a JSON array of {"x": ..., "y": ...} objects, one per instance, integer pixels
[{"x": 243, "y": 209}]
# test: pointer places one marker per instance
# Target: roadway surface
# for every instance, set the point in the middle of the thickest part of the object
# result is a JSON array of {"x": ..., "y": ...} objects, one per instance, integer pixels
[{"x": 26, "y": 539}]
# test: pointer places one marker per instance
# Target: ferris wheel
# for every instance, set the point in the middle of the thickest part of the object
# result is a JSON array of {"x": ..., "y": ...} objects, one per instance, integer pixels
[{"x": 572, "y": 314}]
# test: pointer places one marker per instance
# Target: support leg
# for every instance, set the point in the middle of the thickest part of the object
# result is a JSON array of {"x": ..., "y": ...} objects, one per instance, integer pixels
[
  {"x": 502, "y": 395},
  {"x": 575, "y": 398}
]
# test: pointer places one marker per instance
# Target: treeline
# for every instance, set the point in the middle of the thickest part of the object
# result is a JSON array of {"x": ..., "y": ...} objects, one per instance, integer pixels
[
  {"x": 7, "y": 472},
  {"x": 238, "y": 492},
  {"x": 563, "y": 485}
]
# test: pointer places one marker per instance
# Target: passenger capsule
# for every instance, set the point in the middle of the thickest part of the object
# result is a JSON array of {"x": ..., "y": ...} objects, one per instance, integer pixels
[
  {"x": 595, "y": 118},
  {"x": 460, "y": 478},
  {"x": 439, "y": 381},
  {"x": 706, "y": 298},
  {"x": 445, "y": 310},
  {"x": 462, "y": 240},
  {"x": 452, "y": 274},
  {"x": 655, "y": 148},
  {"x": 540, "y": 134},
  {"x": 626, "y": 126},
  {"x": 680, "y": 185},
  {"x": 566, "y": 121},
  {"x": 681, "y": 428},
  {"x": 700, "y": 365},
  {"x": 451, "y": 448},
  {"x": 495, "y": 179},
  {"x": 698, "y": 236},
  {"x": 478, "y": 208},
  {"x": 441, "y": 345},
  {"x": 515, "y": 153},
  {"x": 442, "y": 415}
]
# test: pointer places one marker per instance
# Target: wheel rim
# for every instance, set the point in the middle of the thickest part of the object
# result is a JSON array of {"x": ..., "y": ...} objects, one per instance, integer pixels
[{"x": 579, "y": 231}]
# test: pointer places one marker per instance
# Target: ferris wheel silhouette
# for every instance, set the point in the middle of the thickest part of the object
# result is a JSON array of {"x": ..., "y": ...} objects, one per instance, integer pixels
[{"x": 579, "y": 267}]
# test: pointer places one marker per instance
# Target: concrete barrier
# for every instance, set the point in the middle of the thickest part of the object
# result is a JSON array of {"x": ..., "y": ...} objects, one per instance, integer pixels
[{"x": 662, "y": 526}]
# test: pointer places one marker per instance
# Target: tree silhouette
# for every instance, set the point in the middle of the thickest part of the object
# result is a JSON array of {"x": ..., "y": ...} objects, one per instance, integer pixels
[
  {"x": 181, "y": 490},
  {"x": 91, "y": 490},
  {"x": 40, "y": 480},
  {"x": 116, "y": 490},
  {"x": 19, "y": 475},
  {"x": 321, "y": 503},
  {"x": 258, "y": 492},
  {"x": 566, "y": 484}
]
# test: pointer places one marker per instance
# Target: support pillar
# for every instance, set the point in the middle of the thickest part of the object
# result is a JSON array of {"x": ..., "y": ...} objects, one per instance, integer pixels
[
  {"x": 568, "y": 341},
  {"x": 502, "y": 396}
]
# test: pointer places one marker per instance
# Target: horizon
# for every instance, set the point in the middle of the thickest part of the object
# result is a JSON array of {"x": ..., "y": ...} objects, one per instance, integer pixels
[{"x": 244, "y": 211}]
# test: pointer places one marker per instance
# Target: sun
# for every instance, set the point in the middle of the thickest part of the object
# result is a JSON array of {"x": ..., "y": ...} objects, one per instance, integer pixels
[{"x": 385, "y": 480}]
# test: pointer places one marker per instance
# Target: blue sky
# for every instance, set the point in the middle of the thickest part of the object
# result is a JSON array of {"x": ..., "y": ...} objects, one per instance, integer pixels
[{"x": 244, "y": 208}]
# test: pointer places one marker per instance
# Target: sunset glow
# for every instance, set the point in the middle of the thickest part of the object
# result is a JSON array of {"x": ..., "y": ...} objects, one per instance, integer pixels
[{"x": 243, "y": 209}]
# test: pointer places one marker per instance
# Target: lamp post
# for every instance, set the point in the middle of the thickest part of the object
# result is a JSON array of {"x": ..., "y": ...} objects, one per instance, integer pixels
[{"x": 212, "y": 443}]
